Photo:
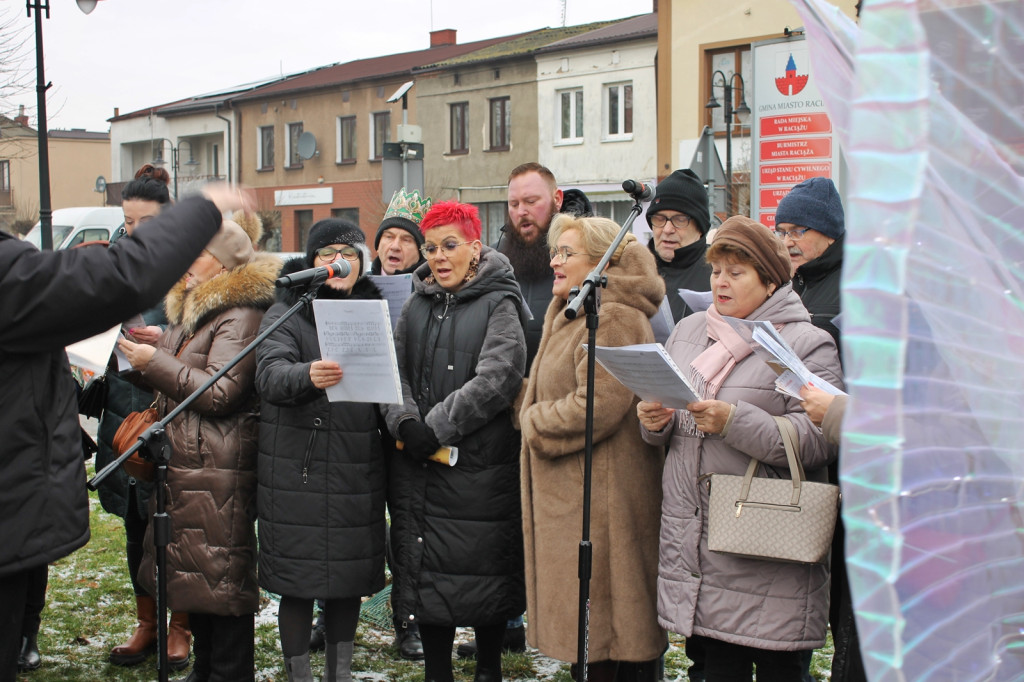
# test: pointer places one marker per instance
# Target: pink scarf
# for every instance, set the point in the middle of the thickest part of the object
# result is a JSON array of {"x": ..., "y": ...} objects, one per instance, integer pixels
[{"x": 709, "y": 370}]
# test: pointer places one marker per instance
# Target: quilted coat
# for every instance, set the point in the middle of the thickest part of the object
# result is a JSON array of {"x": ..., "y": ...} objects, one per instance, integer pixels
[
  {"x": 211, "y": 479},
  {"x": 752, "y": 602},
  {"x": 321, "y": 467},
  {"x": 626, "y": 492},
  {"x": 456, "y": 531}
]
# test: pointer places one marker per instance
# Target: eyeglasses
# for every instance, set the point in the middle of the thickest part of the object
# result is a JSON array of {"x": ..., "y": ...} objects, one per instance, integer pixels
[
  {"x": 564, "y": 253},
  {"x": 447, "y": 247},
  {"x": 679, "y": 221},
  {"x": 796, "y": 234},
  {"x": 346, "y": 252}
]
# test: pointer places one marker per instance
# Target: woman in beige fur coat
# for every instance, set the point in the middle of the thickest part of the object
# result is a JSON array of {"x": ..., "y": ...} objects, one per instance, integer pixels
[{"x": 626, "y": 491}]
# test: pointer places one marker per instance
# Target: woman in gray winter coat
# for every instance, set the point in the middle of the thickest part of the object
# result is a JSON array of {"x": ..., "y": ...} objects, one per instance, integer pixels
[
  {"x": 321, "y": 469},
  {"x": 457, "y": 530},
  {"x": 749, "y": 612}
]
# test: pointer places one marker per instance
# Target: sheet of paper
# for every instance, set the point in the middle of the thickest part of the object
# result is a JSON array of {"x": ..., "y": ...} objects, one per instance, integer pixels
[
  {"x": 647, "y": 370},
  {"x": 662, "y": 323},
  {"x": 697, "y": 300},
  {"x": 94, "y": 353},
  {"x": 395, "y": 289},
  {"x": 768, "y": 345},
  {"x": 133, "y": 323},
  {"x": 357, "y": 335}
]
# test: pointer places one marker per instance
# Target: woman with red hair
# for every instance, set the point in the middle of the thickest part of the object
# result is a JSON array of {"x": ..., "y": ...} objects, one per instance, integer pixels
[{"x": 457, "y": 530}]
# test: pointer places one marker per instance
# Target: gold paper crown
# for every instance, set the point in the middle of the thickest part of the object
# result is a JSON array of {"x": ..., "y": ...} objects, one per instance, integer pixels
[{"x": 408, "y": 205}]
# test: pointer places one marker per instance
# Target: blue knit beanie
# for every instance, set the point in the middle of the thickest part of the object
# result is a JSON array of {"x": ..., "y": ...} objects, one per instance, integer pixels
[{"x": 814, "y": 203}]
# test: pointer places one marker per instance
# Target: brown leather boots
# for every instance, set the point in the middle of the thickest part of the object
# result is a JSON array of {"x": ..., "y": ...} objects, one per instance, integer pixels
[{"x": 142, "y": 643}]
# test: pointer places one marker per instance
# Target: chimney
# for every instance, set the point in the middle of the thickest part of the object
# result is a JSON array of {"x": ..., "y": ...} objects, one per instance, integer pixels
[
  {"x": 21, "y": 118},
  {"x": 117, "y": 111},
  {"x": 442, "y": 37}
]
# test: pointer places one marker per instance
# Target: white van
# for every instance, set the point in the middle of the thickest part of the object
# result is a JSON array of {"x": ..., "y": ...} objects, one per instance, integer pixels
[{"x": 73, "y": 226}]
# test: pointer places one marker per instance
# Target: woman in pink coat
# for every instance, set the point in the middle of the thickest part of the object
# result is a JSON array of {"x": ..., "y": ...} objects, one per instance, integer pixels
[{"x": 748, "y": 612}]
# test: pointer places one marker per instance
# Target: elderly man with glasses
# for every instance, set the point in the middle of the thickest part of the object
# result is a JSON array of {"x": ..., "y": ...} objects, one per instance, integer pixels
[
  {"x": 680, "y": 218},
  {"x": 810, "y": 223}
]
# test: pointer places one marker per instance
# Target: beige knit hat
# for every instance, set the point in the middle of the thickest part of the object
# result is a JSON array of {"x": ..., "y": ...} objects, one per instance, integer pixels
[{"x": 231, "y": 245}]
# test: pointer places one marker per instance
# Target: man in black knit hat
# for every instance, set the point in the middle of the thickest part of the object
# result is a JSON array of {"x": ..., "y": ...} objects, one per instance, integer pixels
[
  {"x": 398, "y": 239},
  {"x": 680, "y": 218}
]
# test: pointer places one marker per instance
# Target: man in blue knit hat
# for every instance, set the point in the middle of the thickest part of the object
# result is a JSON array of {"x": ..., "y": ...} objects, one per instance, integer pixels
[{"x": 810, "y": 223}]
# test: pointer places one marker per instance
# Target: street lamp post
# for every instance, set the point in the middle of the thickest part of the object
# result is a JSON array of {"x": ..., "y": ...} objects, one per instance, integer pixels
[
  {"x": 742, "y": 112},
  {"x": 159, "y": 160},
  {"x": 45, "y": 207}
]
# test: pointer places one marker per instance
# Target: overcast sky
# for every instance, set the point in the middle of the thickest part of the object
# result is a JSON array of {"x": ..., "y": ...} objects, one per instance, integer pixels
[{"x": 134, "y": 54}]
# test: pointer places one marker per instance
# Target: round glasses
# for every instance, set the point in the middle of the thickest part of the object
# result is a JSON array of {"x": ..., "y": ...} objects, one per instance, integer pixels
[
  {"x": 679, "y": 221},
  {"x": 796, "y": 234},
  {"x": 447, "y": 247},
  {"x": 564, "y": 253},
  {"x": 328, "y": 253}
]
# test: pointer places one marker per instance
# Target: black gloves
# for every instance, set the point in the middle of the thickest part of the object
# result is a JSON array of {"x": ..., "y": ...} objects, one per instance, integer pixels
[{"x": 420, "y": 441}]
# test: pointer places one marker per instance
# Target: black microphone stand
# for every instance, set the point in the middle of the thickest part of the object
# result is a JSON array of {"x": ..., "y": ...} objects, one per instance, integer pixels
[
  {"x": 155, "y": 447},
  {"x": 586, "y": 295}
]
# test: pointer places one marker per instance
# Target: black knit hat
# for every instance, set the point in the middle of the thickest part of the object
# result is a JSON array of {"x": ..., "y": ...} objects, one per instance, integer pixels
[
  {"x": 332, "y": 231},
  {"x": 684, "y": 192}
]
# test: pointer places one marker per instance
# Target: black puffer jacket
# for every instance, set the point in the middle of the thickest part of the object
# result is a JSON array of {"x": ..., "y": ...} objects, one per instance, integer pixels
[
  {"x": 457, "y": 531},
  {"x": 49, "y": 299},
  {"x": 817, "y": 282},
  {"x": 687, "y": 270},
  {"x": 320, "y": 470}
]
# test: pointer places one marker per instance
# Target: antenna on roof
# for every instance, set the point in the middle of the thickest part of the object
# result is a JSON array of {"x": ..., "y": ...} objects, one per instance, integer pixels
[{"x": 563, "y": 12}]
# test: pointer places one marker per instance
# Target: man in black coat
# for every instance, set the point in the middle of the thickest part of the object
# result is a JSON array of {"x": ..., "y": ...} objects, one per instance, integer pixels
[
  {"x": 49, "y": 299},
  {"x": 679, "y": 217},
  {"x": 811, "y": 223}
]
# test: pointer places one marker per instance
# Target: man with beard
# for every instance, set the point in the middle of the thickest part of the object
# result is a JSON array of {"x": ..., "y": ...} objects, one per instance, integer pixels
[
  {"x": 679, "y": 219},
  {"x": 533, "y": 199}
]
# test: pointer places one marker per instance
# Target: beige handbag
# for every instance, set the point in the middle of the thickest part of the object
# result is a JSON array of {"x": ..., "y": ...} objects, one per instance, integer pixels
[{"x": 773, "y": 518}]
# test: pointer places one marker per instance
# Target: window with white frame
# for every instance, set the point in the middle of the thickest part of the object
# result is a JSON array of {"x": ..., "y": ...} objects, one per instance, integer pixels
[
  {"x": 346, "y": 152},
  {"x": 618, "y": 111},
  {"x": 380, "y": 133},
  {"x": 570, "y": 115},
  {"x": 5, "y": 183},
  {"x": 265, "y": 148},
  {"x": 500, "y": 123},
  {"x": 292, "y": 150},
  {"x": 458, "y": 113}
]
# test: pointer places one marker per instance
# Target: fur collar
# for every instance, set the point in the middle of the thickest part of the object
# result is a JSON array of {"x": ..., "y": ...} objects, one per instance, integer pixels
[{"x": 247, "y": 286}]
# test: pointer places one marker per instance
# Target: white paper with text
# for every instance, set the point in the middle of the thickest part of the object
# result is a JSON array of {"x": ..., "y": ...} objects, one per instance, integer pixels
[{"x": 357, "y": 335}]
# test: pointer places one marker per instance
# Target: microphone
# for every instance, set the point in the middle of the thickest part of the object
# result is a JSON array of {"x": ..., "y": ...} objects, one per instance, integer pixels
[
  {"x": 640, "y": 191},
  {"x": 315, "y": 276}
]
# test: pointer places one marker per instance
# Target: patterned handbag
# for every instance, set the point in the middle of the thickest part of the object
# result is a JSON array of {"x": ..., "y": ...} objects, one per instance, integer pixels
[{"x": 773, "y": 518}]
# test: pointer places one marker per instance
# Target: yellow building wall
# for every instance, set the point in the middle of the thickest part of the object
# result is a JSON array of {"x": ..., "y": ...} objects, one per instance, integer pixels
[{"x": 686, "y": 30}]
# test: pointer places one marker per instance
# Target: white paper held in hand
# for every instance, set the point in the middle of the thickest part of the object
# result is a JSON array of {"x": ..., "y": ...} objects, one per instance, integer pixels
[
  {"x": 357, "y": 335},
  {"x": 648, "y": 371}
]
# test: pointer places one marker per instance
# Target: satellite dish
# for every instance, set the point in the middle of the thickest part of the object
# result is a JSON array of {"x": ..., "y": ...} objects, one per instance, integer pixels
[
  {"x": 101, "y": 184},
  {"x": 307, "y": 145}
]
